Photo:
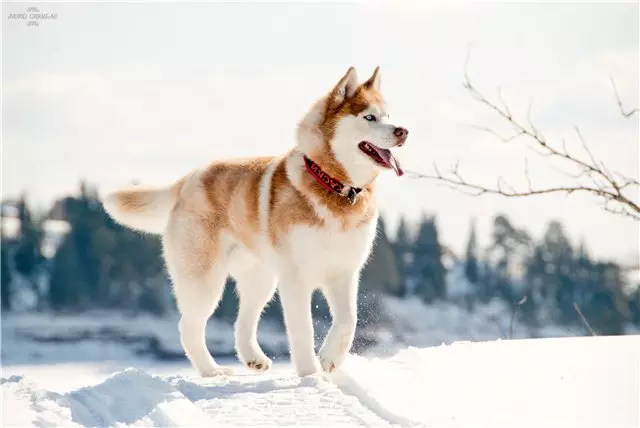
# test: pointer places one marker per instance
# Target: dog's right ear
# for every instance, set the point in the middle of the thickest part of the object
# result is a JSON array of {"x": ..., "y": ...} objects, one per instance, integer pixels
[
  {"x": 374, "y": 80},
  {"x": 345, "y": 89}
]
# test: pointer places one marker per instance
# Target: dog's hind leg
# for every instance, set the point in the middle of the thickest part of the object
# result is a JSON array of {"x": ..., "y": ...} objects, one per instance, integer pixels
[
  {"x": 255, "y": 285},
  {"x": 196, "y": 308},
  {"x": 255, "y": 289},
  {"x": 197, "y": 264}
]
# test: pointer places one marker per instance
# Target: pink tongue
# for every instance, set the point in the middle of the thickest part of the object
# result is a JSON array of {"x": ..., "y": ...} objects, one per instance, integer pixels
[{"x": 390, "y": 160}]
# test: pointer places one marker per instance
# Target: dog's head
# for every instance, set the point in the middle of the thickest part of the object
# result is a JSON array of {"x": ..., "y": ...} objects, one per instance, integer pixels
[{"x": 351, "y": 124}]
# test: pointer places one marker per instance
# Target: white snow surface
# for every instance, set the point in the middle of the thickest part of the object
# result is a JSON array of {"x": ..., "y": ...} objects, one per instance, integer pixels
[{"x": 562, "y": 382}]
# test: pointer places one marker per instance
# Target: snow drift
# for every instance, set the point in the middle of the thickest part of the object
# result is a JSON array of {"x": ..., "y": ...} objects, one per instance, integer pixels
[{"x": 568, "y": 382}]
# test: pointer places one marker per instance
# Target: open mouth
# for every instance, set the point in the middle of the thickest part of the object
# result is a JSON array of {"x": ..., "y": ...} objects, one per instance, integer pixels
[{"x": 382, "y": 157}]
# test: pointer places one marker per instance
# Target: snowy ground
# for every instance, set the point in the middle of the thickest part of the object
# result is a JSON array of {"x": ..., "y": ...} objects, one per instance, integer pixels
[
  {"x": 568, "y": 382},
  {"x": 95, "y": 369}
]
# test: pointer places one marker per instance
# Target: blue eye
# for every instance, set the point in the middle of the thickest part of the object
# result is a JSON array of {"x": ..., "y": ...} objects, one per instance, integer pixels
[{"x": 370, "y": 118}]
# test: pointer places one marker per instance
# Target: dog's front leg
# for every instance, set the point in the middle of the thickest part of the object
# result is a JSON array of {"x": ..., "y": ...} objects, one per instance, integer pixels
[
  {"x": 295, "y": 296},
  {"x": 341, "y": 294}
]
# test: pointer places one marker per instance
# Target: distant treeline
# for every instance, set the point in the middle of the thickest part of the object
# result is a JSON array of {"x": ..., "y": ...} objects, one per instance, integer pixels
[{"x": 99, "y": 264}]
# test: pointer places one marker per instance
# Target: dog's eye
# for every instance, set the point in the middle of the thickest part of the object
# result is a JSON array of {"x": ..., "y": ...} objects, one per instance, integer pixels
[{"x": 370, "y": 118}]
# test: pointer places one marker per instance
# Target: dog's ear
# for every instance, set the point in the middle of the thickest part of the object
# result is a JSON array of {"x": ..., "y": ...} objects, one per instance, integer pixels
[
  {"x": 345, "y": 89},
  {"x": 374, "y": 80}
]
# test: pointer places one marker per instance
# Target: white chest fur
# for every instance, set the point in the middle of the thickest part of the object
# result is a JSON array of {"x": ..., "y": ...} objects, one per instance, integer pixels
[{"x": 323, "y": 251}]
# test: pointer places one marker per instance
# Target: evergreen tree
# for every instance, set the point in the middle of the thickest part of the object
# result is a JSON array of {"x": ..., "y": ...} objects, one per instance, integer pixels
[
  {"x": 508, "y": 251},
  {"x": 381, "y": 273},
  {"x": 370, "y": 314},
  {"x": 28, "y": 255},
  {"x": 228, "y": 307},
  {"x": 427, "y": 262},
  {"x": 634, "y": 306},
  {"x": 562, "y": 277},
  {"x": 151, "y": 298},
  {"x": 102, "y": 264},
  {"x": 131, "y": 268},
  {"x": 550, "y": 273},
  {"x": 603, "y": 304},
  {"x": 582, "y": 274},
  {"x": 75, "y": 275},
  {"x": 273, "y": 310},
  {"x": 471, "y": 260},
  {"x": 5, "y": 267},
  {"x": 66, "y": 285},
  {"x": 5, "y": 274},
  {"x": 402, "y": 250}
]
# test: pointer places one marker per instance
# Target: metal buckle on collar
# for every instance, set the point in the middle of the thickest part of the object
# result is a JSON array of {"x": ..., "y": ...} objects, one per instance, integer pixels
[{"x": 351, "y": 195}]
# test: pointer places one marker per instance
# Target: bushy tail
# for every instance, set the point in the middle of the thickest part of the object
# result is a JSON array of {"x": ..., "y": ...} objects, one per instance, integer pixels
[{"x": 143, "y": 208}]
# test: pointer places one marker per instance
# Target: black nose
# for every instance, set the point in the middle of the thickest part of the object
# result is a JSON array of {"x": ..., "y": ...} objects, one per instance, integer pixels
[{"x": 401, "y": 133}]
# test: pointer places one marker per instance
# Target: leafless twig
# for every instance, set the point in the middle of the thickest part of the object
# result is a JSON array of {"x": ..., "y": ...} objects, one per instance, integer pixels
[
  {"x": 608, "y": 186},
  {"x": 513, "y": 315},
  {"x": 584, "y": 320},
  {"x": 625, "y": 113}
]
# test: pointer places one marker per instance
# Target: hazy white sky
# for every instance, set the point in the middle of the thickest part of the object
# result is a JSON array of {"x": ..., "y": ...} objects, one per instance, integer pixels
[{"x": 119, "y": 91}]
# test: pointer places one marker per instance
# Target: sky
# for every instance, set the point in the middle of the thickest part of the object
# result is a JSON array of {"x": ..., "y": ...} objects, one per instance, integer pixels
[{"x": 115, "y": 92}]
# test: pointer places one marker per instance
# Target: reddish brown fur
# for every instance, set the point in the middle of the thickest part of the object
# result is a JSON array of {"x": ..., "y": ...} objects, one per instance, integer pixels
[
  {"x": 364, "y": 209},
  {"x": 225, "y": 181},
  {"x": 132, "y": 201},
  {"x": 225, "y": 196},
  {"x": 137, "y": 200},
  {"x": 232, "y": 191},
  {"x": 288, "y": 206}
]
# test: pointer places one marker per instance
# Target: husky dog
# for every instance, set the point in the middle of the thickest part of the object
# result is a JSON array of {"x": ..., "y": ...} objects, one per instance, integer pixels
[{"x": 302, "y": 221}]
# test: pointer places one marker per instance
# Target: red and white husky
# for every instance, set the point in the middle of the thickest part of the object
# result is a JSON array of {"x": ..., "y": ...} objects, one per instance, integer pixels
[{"x": 303, "y": 221}]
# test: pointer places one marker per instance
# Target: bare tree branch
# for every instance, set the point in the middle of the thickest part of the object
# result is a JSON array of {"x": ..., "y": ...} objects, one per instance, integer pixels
[
  {"x": 504, "y": 104},
  {"x": 625, "y": 113},
  {"x": 601, "y": 181},
  {"x": 584, "y": 320},
  {"x": 513, "y": 315},
  {"x": 495, "y": 134},
  {"x": 481, "y": 190}
]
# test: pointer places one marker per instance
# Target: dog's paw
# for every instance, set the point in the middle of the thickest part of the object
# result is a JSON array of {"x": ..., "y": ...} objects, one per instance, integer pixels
[
  {"x": 307, "y": 367},
  {"x": 217, "y": 371},
  {"x": 307, "y": 371},
  {"x": 254, "y": 358},
  {"x": 331, "y": 361},
  {"x": 328, "y": 366},
  {"x": 259, "y": 364},
  {"x": 335, "y": 348}
]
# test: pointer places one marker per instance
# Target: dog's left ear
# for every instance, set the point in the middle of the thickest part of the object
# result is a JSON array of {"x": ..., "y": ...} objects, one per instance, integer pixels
[{"x": 374, "y": 80}]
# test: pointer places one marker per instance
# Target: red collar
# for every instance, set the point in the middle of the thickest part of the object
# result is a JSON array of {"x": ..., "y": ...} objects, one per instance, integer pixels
[{"x": 330, "y": 183}]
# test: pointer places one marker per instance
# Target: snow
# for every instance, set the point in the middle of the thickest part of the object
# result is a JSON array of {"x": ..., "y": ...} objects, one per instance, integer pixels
[
  {"x": 563, "y": 382},
  {"x": 436, "y": 366},
  {"x": 133, "y": 397}
]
